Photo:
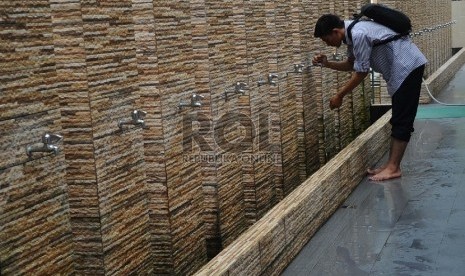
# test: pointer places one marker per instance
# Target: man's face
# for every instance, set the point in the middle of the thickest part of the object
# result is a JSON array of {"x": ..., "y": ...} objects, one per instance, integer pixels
[{"x": 332, "y": 39}]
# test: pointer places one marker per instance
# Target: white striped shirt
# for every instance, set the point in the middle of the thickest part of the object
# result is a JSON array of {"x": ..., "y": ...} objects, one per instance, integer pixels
[{"x": 394, "y": 60}]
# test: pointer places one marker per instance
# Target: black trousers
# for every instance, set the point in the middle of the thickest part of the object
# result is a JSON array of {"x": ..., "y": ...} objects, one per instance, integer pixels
[{"x": 405, "y": 105}]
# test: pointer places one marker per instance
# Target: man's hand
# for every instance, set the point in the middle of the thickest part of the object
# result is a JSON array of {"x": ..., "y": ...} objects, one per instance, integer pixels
[
  {"x": 320, "y": 59},
  {"x": 335, "y": 101}
]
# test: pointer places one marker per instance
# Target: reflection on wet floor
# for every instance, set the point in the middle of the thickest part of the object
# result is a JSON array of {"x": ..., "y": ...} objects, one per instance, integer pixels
[{"x": 413, "y": 225}]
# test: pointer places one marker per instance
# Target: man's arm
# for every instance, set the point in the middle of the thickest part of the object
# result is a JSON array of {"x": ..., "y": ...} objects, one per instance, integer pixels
[
  {"x": 346, "y": 65},
  {"x": 355, "y": 80}
]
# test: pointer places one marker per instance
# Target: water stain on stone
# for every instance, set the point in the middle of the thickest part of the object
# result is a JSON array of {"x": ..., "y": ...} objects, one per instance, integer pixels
[
  {"x": 416, "y": 244},
  {"x": 414, "y": 266}
]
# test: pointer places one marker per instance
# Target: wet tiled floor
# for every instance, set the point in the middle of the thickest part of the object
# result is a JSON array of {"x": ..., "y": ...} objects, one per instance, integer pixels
[{"x": 414, "y": 225}]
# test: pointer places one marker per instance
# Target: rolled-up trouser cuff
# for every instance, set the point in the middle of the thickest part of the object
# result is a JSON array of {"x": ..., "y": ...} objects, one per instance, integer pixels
[
  {"x": 405, "y": 105},
  {"x": 401, "y": 133}
]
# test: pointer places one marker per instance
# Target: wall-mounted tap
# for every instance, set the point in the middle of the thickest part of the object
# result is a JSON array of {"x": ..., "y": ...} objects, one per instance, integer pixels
[
  {"x": 261, "y": 81},
  {"x": 298, "y": 69},
  {"x": 49, "y": 141},
  {"x": 137, "y": 118},
  {"x": 241, "y": 87},
  {"x": 272, "y": 79},
  {"x": 337, "y": 56},
  {"x": 196, "y": 101}
]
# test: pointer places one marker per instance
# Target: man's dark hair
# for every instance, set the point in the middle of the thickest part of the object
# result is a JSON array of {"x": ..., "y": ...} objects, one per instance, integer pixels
[{"x": 326, "y": 23}]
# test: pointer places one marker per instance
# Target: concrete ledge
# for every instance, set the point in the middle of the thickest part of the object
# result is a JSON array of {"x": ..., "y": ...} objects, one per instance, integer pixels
[
  {"x": 439, "y": 79},
  {"x": 272, "y": 243}
]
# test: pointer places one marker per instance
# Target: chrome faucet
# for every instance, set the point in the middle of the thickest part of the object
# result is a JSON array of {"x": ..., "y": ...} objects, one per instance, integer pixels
[
  {"x": 272, "y": 79},
  {"x": 196, "y": 101},
  {"x": 261, "y": 82},
  {"x": 298, "y": 69},
  {"x": 241, "y": 87},
  {"x": 49, "y": 141},
  {"x": 337, "y": 56},
  {"x": 137, "y": 118}
]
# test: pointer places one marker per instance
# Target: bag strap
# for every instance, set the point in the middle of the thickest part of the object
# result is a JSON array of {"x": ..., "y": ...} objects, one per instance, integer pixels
[
  {"x": 379, "y": 43},
  {"x": 349, "y": 29},
  {"x": 382, "y": 42}
]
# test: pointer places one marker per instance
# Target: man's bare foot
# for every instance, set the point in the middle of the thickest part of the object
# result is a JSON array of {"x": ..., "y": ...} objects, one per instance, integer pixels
[
  {"x": 386, "y": 174},
  {"x": 375, "y": 171}
]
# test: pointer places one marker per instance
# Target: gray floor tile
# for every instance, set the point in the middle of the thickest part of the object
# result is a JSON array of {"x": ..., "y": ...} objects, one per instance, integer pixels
[{"x": 414, "y": 225}]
